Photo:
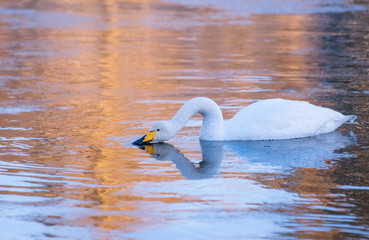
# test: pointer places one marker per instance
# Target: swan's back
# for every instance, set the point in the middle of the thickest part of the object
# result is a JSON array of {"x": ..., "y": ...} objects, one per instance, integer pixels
[{"x": 282, "y": 119}]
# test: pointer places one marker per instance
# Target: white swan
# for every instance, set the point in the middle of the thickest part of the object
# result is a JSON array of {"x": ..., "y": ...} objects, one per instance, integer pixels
[{"x": 271, "y": 119}]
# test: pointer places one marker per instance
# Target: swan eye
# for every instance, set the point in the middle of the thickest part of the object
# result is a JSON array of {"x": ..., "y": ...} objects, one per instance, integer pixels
[{"x": 158, "y": 129}]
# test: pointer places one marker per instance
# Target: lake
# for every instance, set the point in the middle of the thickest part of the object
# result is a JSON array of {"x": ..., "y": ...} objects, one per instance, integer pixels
[{"x": 81, "y": 80}]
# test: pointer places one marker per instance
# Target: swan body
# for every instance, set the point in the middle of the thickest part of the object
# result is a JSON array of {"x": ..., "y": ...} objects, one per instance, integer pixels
[{"x": 271, "y": 119}]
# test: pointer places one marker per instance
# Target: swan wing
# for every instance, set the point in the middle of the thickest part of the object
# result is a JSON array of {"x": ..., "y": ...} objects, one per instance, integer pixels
[{"x": 282, "y": 119}]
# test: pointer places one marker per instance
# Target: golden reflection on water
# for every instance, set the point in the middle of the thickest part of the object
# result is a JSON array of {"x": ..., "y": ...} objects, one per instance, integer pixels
[{"x": 88, "y": 77}]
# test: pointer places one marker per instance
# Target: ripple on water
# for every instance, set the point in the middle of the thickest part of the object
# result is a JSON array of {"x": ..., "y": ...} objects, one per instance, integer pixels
[{"x": 79, "y": 82}]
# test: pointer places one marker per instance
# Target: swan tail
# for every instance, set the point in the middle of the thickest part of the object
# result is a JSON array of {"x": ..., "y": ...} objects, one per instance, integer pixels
[
  {"x": 333, "y": 125},
  {"x": 350, "y": 118}
]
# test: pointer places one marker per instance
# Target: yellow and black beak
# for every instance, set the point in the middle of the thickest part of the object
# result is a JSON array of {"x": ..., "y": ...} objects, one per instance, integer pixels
[{"x": 145, "y": 139}]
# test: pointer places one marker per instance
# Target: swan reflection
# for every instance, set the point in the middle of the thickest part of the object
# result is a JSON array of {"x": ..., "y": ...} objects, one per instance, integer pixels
[
  {"x": 212, "y": 155},
  {"x": 284, "y": 154}
]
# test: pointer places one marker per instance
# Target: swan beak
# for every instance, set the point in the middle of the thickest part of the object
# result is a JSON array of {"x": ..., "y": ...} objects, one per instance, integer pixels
[
  {"x": 145, "y": 139},
  {"x": 149, "y": 137}
]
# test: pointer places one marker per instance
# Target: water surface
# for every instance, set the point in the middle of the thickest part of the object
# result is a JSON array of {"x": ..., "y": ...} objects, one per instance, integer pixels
[{"x": 80, "y": 80}]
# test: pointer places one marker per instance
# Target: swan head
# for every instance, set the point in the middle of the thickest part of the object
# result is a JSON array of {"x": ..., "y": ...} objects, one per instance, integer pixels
[{"x": 159, "y": 132}]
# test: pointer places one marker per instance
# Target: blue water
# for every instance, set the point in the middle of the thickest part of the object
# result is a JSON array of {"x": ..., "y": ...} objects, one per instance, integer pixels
[{"x": 81, "y": 80}]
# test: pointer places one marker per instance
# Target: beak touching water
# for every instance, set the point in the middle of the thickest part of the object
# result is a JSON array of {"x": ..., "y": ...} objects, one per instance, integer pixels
[{"x": 145, "y": 139}]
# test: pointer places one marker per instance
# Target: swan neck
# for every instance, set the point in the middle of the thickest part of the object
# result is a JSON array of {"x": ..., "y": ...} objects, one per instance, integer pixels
[{"x": 212, "y": 126}]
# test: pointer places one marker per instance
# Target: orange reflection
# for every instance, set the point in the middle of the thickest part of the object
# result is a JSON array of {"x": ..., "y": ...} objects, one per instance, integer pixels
[{"x": 123, "y": 65}]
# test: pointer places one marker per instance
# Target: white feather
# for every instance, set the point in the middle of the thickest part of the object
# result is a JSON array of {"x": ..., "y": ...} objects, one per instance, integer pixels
[{"x": 270, "y": 119}]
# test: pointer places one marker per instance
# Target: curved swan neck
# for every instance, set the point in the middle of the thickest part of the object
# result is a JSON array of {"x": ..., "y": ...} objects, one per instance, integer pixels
[{"x": 212, "y": 126}]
